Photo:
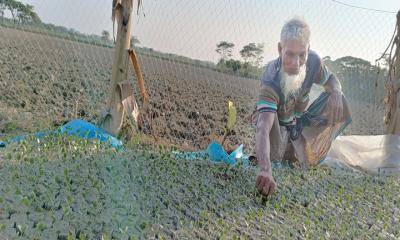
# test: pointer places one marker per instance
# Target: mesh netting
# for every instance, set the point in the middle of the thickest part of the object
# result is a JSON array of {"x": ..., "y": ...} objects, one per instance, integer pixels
[{"x": 51, "y": 74}]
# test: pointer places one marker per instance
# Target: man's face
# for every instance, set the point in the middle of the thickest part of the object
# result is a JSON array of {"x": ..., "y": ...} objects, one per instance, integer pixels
[{"x": 294, "y": 55}]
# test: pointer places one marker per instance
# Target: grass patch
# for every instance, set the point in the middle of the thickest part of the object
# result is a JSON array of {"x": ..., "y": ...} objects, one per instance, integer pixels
[
  {"x": 10, "y": 127},
  {"x": 66, "y": 187}
]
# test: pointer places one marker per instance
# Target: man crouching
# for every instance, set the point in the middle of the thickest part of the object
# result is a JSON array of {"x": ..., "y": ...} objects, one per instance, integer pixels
[{"x": 286, "y": 127}]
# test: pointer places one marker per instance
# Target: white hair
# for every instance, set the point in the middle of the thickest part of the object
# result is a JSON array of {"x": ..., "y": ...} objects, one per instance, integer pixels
[{"x": 296, "y": 29}]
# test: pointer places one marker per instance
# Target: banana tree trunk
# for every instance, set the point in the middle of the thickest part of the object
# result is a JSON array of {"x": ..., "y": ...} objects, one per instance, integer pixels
[{"x": 122, "y": 14}]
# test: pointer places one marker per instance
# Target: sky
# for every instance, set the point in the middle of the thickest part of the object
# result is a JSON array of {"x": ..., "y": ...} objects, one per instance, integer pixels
[{"x": 193, "y": 28}]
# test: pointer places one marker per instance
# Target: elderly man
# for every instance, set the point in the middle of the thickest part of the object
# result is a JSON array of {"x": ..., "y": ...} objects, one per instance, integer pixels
[{"x": 286, "y": 128}]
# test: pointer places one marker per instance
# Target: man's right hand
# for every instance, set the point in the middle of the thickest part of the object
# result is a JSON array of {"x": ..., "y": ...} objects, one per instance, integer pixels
[{"x": 265, "y": 183}]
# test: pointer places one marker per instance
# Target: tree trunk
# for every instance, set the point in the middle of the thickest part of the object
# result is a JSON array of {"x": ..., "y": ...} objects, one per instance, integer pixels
[
  {"x": 393, "y": 121},
  {"x": 122, "y": 13}
]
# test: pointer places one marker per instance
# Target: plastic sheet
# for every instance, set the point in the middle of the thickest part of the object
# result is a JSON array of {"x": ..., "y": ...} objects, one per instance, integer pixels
[
  {"x": 216, "y": 153},
  {"x": 378, "y": 154},
  {"x": 77, "y": 127}
]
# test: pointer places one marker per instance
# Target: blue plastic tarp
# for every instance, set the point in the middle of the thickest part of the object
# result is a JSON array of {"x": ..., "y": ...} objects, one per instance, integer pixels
[
  {"x": 78, "y": 128},
  {"x": 216, "y": 153}
]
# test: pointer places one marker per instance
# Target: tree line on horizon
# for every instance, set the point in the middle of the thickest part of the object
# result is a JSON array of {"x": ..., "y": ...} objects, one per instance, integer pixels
[{"x": 106, "y": 36}]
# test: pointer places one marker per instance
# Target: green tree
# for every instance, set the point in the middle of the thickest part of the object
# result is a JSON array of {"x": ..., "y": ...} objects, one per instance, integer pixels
[
  {"x": 225, "y": 49},
  {"x": 235, "y": 65},
  {"x": 134, "y": 41},
  {"x": 19, "y": 11},
  {"x": 358, "y": 77},
  {"x": 22, "y": 12},
  {"x": 11, "y": 5},
  {"x": 3, "y": 8},
  {"x": 105, "y": 35},
  {"x": 252, "y": 53},
  {"x": 33, "y": 16}
]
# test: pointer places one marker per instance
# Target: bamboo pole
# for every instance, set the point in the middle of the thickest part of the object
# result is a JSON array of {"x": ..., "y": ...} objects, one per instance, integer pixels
[
  {"x": 139, "y": 77},
  {"x": 122, "y": 13}
]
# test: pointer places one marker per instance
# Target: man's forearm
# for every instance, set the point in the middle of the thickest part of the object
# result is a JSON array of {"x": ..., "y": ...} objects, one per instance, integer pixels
[
  {"x": 263, "y": 147},
  {"x": 263, "y": 150}
]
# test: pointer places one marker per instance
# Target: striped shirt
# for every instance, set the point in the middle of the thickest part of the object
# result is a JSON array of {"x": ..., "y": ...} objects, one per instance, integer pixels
[{"x": 271, "y": 97}]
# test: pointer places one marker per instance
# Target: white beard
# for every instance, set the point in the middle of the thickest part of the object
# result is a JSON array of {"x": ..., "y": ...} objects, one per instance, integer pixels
[{"x": 291, "y": 83}]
